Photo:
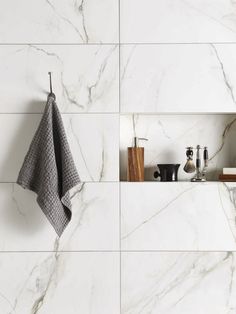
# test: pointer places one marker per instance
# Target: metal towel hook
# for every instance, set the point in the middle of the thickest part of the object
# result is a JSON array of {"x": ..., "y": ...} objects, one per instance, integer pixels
[{"x": 51, "y": 94}]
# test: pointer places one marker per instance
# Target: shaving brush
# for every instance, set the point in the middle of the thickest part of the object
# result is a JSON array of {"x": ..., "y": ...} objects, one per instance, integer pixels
[{"x": 189, "y": 166}]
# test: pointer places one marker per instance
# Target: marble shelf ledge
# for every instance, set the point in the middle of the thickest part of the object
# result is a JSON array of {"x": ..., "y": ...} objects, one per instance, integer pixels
[
  {"x": 177, "y": 113},
  {"x": 176, "y": 216},
  {"x": 176, "y": 182}
]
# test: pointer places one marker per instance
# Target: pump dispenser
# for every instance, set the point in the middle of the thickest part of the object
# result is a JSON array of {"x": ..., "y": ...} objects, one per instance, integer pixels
[{"x": 135, "y": 169}]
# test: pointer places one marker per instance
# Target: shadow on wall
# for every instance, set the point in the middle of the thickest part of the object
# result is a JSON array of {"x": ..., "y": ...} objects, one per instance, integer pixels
[
  {"x": 149, "y": 171},
  {"x": 18, "y": 131},
  {"x": 21, "y": 214},
  {"x": 20, "y": 210},
  {"x": 36, "y": 106},
  {"x": 123, "y": 165}
]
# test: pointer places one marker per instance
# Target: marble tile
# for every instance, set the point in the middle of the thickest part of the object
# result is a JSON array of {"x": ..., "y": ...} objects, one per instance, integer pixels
[
  {"x": 85, "y": 77},
  {"x": 178, "y": 21},
  {"x": 93, "y": 138},
  {"x": 178, "y": 283},
  {"x": 176, "y": 216},
  {"x": 94, "y": 224},
  {"x": 178, "y": 78},
  {"x": 169, "y": 135},
  {"x": 53, "y": 283},
  {"x": 60, "y": 21},
  {"x": 227, "y": 192}
]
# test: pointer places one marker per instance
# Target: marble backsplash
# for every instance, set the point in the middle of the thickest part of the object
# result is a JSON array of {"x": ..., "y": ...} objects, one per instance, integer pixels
[
  {"x": 181, "y": 21},
  {"x": 178, "y": 282},
  {"x": 85, "y": 78},
  {"x": 67, "y": 22},
  {"x": 24, "y": 227},
  {"x": 178, "y": 216},
  {"x": 130, "y": 248},
  {"x": 68, "y": 282},
  {"x": 178, "y": 78}
]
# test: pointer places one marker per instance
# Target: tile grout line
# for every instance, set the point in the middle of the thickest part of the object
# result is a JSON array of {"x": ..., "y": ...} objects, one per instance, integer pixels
[
  {"x": 128, "y": 113},
  {"x": 176, "y": 43},
  {"x": 61, "y": 44},
  {"x": 85, "y": 182},
  {"x": 63, "y": 113},
  {"x": 120, "y": 254},
  {"x": 119, "y": 43},
  {"x": 119, "y": 251}
]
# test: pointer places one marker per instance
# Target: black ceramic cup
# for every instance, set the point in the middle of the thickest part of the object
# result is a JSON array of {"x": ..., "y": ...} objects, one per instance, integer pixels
[{"x": 167, "y": 172}]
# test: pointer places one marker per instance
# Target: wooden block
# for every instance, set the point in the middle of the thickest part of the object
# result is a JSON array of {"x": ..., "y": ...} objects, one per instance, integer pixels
[
  {"x": 227, "y": 177},
  {"x": 135, "y": 168}
]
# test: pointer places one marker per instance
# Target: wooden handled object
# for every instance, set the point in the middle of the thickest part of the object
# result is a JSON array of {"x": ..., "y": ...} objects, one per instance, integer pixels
[{"x": 135, "y": 171}]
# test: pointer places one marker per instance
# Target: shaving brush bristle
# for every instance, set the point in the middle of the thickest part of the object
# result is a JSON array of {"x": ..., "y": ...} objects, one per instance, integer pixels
[{"x": 189, "y": 166}]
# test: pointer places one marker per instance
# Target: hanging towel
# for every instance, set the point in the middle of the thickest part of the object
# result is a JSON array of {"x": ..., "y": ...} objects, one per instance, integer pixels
[{"x": 49, "y": 169}]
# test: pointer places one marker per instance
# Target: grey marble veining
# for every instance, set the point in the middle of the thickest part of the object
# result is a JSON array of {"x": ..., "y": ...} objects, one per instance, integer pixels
[
  {"x": 95, "y": 212},
  {"x": 85, "y": 78},
  {"x": 178, "y": 216},
  {"x": 50, "y": 21},
  {"x": 178, "y": 78},
  {"x": 181, "y": 21},
  {"x": 227, "y": 192},
  {"x": 176, "y": 283},
  {"x": 59, "y": 282}
]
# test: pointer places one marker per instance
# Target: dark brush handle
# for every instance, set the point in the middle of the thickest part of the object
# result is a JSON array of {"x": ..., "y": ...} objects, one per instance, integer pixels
[
  {"x": 205, "y": 156},
  {"x": 156, "y": 174}
]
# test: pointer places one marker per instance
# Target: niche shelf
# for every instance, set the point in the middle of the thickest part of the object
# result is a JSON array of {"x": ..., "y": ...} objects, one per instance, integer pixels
[{"x": 170, "y": 133}]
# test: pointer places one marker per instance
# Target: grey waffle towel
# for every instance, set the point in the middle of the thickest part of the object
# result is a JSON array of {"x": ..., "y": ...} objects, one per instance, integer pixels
[{"x": 49, "y": 169}]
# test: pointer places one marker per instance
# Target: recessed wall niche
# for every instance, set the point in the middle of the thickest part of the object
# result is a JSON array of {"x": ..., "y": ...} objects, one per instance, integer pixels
[{"x": 169, "y": 134}]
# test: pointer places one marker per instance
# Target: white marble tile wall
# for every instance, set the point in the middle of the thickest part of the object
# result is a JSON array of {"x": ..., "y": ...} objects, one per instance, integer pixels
[
  {"x": 172, "y": 216},
  {"x": 110, "y": 57},
  {"x": 178, "y": 78},
  {"x": 181, "y": 21},
  {"x": 227, "y": 191},
  {"x": 54, "y": 21},
  {"x": 175, "y": 59},
  {"x": 94, "y": 227},
  {"x": 81, "y": 282},
  {"x": 169, "y": 135},
  {"x": 178, "y": 282},
  {"x": 79, "y": 42},
  {"x": 85, "y": 78}
]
